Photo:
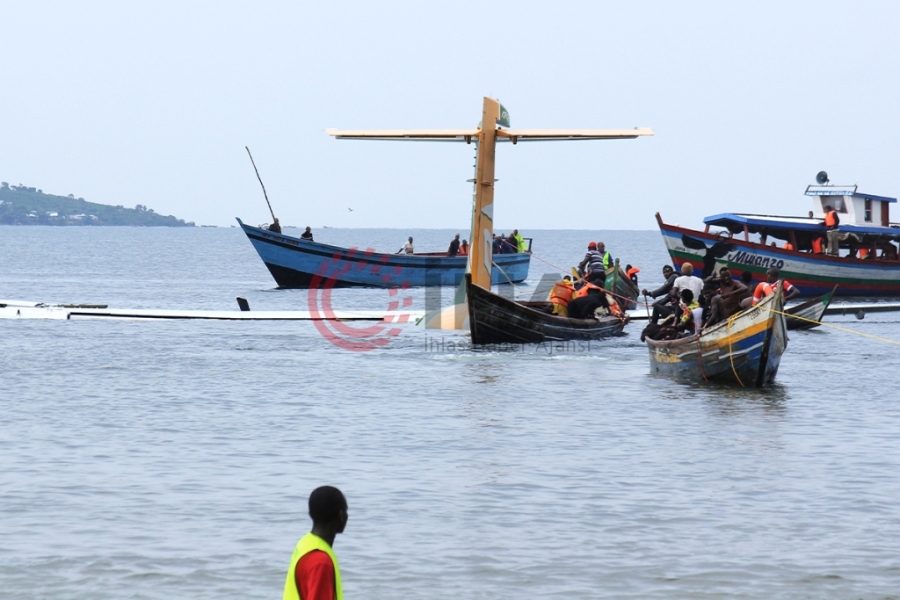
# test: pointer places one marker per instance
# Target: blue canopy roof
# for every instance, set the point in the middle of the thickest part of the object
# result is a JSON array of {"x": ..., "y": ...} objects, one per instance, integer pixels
[{"x": 773, "y": 225}]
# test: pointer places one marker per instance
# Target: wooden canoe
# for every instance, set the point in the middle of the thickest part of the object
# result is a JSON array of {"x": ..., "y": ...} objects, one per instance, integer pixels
[
  {"x": 809, "y": 314},
  {"x": 745, "y": 350},
  {"x": 494, "y": 319}
]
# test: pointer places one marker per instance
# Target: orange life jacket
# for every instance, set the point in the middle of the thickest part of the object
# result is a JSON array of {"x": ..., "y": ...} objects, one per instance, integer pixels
[
  {"x": 585, "y": 289},
  {"x": 562, "y": 293},
  {"x": 632, "y": 271},
  {"x": 831, "y": 218},
  {"x": 863, "y": 252},
  {"x": 788, "y": 246},
  {"x": 817, "y": 246},
  {"x": 614, "y": 307}
]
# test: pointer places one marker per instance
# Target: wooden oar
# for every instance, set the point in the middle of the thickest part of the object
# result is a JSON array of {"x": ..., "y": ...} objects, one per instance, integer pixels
[{"x": 260, "y": 183}]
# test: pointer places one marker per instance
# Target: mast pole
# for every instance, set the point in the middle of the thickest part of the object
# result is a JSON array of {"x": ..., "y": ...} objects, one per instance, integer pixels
[
  {"x": 480, "y": 247},
  {"x": 260, "y": 182}
]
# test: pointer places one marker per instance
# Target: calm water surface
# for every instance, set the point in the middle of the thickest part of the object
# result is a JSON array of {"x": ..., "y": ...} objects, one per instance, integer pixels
[{"x": 173, "y": 459}]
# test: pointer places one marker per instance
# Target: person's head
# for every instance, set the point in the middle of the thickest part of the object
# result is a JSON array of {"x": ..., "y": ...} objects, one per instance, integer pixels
[
  {"x": 307, "y": 229},
  {"x": 592, "y": 246},
  {"x": 772, "y": 275},
  {"x": 567, "y": 278},
  {"x": 709, "y": 290},
  {"x": 746, "y": 277},
  {"x": 725, "y": 275},
  {"x": 410, "y": 239},
  {"x": 687, "y": 296},
  {"x": 515, "y": 232},
  {"x": 464, "y": 244},
  {"x": 275, "y": 220},
  {"x": 601, "y": 247},
  {"x": 828, "y": 208},
  {"x": 328, "y": 508},
  {"x": 810, "y": 215},
  {"x": 668, "y": 271},
  {"x": 687, "y": 269},
  {"x": 457, "y": 236}
]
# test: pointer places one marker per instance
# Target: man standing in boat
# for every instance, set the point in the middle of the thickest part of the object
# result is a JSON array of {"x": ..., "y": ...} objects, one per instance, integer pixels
[
  {"x": 307, "y": 235},
  {"x": 594, "y": 264},
  {"x": 313, "y": 573},
  {"x": 453, "y": 250},
  {"x": 832, "y": 222}
]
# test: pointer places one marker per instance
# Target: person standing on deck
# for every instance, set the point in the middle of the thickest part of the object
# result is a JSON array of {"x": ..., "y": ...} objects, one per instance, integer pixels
[
  {"x": 275, "y": 227},
  {"x": 313, "y": 573},
  {"x": 832, "y": 222},
  {"x": 307, "y": 235},
  {"x": 521, "y": 246},
  {"x": 453, "y": 250},
  {"x": 593, "y": 265}
]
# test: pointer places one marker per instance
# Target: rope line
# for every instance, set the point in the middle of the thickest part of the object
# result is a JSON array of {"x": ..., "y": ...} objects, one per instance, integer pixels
[
  {"x": 730, "y": 353},
  {"x": 838, "y": 327}
]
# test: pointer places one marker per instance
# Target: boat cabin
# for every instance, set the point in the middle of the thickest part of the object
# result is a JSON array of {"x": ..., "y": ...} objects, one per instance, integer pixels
[
  {"x": 865, "y": 225},
  {"x": 860, "y": 209}
]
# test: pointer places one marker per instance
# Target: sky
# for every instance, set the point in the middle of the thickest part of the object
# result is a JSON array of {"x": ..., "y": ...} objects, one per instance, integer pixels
[{"x": 153, "y": 103}]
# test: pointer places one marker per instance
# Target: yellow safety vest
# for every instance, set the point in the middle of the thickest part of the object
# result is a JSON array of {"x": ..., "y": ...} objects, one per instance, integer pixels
[{"x": 307, "y": 544}]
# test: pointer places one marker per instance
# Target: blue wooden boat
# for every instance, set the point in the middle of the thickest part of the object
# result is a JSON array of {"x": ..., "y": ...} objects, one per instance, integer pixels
[{"x": 295, "y": 263}]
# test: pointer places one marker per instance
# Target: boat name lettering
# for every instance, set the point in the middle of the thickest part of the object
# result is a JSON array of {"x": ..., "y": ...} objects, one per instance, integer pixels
[{"x": 747, "y": 258}]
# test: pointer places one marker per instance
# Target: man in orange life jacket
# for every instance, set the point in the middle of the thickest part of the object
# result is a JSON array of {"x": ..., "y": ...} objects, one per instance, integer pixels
[
  {"x": 768, "y": 287},
  {"x": 314, "y": 573},
  {"x": 832, "y": 222}
]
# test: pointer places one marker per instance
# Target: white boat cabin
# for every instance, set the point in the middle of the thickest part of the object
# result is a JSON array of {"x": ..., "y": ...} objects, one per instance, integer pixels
[{"x": 854, "y": 208}]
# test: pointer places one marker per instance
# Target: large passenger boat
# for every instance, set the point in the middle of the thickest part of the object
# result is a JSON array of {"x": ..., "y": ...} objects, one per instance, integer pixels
[{"x": 865, "y": 265}]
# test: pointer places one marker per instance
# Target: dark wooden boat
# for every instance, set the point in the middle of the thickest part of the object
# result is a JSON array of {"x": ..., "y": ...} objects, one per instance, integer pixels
[
  {"x": 745, "y": 350},
  {"x": 494, "y": 319},
  {"x": 809, "y": 314}
]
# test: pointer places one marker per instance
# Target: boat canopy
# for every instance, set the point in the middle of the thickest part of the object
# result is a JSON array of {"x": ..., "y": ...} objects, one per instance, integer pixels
[{"x": 779, "y": 227}]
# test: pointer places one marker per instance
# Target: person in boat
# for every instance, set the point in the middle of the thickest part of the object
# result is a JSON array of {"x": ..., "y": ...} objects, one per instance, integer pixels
[
  {"x": 408, "y": 247},
  {"x": 453, "y": 250},
  {"x": 632, "y": 272},
  {"x": 682, "y": 323},
  {"x": 586, "y": 300},
  {"x": 510, "y": 244},
  {"x": 832, "y": 223},
  {"x": 768, "y": 287},
  {"x": 728, "y": 302},
  {"x": 593, "y": 266},
  {"x": 663, "y": 290},
  {"x": 275, "y": 227},
  {"x": 889, "y": 252},
  {"x": 688, "y": 281},
  {"x": 314, "y": 573},
  {"x": 521, "y": 246},
  {"x": 495, "y": 245},
  {"x": 307, "y": 235},
  {"x": 561, "y": 295},
  {"x": 464, "y": 248},
  {"x": 818, "y": 245}
]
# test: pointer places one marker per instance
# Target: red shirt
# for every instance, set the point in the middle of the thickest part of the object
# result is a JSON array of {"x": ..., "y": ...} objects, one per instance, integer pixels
[{"x": 314, "y": 576}]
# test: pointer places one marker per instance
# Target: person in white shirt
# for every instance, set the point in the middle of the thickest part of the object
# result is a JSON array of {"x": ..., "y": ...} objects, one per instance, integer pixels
[
  {"x": 407, "y": 247},
  {"x": 687, "y": 281}
]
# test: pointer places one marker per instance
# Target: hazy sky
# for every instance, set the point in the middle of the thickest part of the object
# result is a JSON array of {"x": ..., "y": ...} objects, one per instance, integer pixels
[{"x": 152, "y": 103}]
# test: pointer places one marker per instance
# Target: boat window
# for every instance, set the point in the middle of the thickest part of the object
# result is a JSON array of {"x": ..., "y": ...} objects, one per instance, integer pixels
[
  {"x": 868, "y": 210},
  {"x": 838, "y": 204}
]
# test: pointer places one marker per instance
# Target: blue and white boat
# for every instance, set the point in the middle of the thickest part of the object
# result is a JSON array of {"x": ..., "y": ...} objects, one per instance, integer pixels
[{"x": 298, "y": 263}]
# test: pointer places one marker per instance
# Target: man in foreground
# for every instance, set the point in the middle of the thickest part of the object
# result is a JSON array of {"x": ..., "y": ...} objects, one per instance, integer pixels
[
  {"x": 728, "y": 302},
  {"x": 314, "y": 573}
]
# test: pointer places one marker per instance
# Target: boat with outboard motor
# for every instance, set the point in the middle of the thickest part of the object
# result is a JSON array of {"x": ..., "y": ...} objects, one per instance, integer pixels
[
  {"x": 742, "y": 243},
  {"x": 296, "y": 263}
]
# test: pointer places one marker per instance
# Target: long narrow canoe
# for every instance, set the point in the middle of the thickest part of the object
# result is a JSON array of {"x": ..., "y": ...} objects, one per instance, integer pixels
[
  {"x": 300, "y": 264},
  {"x": 809, "y": 314},
  {"x": 745, "y": 350},
  {"x": 494, "y": 319}
]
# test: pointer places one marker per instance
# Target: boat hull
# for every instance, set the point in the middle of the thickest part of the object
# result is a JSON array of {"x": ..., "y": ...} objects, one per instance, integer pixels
[
  {"x": 299, "y": 264},
  {"x": 494, "y": 319},
  {"x": 813, "y": 274},
  {"x": 745, "y": 350},
  {"x": 809, "y": 314}
]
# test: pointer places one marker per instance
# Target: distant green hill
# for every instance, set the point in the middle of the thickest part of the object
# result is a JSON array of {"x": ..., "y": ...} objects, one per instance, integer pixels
[{"x": 22, "y": 205}]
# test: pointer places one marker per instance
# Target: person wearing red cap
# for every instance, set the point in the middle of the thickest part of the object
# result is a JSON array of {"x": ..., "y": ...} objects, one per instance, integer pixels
[{"x": 595, "y": 263}]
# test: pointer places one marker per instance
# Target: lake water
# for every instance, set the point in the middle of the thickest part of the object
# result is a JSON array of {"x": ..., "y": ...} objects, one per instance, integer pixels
[{"x": 173, "y": 459}]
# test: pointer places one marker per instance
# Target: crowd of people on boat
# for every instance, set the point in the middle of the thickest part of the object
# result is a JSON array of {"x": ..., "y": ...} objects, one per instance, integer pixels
[{"x": 686, "y": 304}]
